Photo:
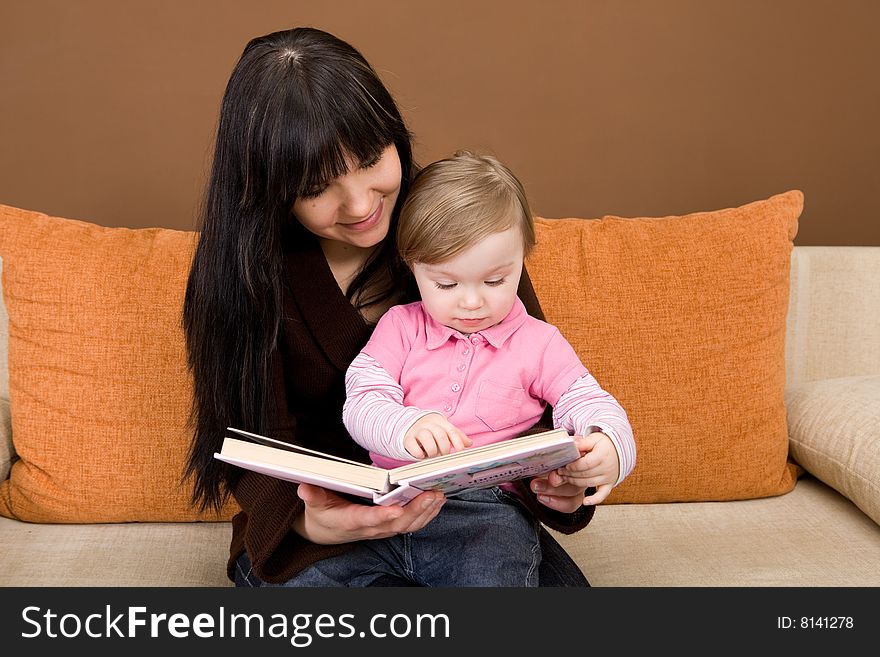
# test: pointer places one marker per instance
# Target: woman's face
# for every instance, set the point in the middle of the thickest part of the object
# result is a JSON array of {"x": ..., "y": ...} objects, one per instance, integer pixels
[{"x": 356, "y": 207}]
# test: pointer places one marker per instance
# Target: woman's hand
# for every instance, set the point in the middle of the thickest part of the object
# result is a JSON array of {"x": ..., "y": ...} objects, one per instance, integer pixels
[
  {"x": 556, "y": 494},
  {"x": 331, "y": 519}
]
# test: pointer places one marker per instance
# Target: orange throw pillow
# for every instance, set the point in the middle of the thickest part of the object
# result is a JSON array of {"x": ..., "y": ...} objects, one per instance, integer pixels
[
  {"x": 99, "y": 388},
  {"x": 683, "y": 320}
]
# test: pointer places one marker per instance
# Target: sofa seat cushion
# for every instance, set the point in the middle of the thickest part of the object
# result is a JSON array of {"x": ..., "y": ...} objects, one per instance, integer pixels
[
  {"x": 835, "y": 435},
  {"x": 812, "y": 536},
  {"x": 119, "y": 554}
]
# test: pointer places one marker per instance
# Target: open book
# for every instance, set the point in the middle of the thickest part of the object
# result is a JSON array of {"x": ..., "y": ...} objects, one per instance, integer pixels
[{"x": 478, "y": 467}]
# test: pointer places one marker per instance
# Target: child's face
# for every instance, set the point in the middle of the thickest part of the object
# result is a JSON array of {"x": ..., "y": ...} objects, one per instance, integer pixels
[{"x": 477, "y": 288}]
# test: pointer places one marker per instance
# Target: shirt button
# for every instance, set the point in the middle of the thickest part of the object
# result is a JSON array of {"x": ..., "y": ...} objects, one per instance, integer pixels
[
  {"x": 447, "y": 408},
  {"x": 474, "y": 339},
  {"x": 461, "y": 367},
  {"x": 465, "y": 351},
  {"x": 455, "y": 387}
]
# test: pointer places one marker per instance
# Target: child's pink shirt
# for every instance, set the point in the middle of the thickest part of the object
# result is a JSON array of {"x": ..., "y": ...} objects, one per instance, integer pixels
[{"x": 492, "y": 385}]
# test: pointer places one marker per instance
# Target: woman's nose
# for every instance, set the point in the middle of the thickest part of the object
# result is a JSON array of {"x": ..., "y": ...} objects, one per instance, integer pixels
[{"x": 358, "y": 201}]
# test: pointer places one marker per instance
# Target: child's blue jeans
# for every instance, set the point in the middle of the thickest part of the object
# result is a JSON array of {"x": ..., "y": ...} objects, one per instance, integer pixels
[{"x": 479, "y": 538}]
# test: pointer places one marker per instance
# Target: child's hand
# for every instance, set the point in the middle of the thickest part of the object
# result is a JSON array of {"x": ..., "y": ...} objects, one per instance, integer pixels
[
  {"x": 598, "y": 467},
  {"x": 432, "y": 435}
]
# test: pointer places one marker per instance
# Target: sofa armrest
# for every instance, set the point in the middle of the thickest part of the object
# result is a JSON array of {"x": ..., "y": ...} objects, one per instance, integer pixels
[
  {"x": 832, "y": 356},
  {"x": 834, "y": 313}
]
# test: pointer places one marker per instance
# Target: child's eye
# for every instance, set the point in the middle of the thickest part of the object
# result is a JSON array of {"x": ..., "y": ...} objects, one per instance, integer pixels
[
  {"x": 444, "y": 286},
  {"x": 495, "y": 283}
]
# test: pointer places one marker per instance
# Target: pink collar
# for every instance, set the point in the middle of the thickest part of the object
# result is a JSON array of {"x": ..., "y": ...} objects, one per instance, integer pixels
[{"x": 438, "y": 334}]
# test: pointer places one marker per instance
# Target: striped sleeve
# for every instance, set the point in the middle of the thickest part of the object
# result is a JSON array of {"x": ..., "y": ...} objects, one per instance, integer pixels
[
  {"x": 373, "y": 411},
  {"x": 585, "y": 407}
]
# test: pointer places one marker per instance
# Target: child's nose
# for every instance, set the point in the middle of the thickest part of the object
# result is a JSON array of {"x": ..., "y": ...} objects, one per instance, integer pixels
[{"x": 471, "y": 300}]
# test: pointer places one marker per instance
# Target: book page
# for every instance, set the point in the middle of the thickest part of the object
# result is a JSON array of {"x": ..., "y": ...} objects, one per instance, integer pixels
[
  {"x": 290, "y": 447},
  {"x": 455, "y": 478},
  {"x": 513, "y": 448},
  {"x": 305, "y": 465},
  {"x": 299, "y": 476}
]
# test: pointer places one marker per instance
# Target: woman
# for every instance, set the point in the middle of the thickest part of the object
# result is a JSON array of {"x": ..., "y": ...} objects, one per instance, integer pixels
[{"x": 296, "y": 262}]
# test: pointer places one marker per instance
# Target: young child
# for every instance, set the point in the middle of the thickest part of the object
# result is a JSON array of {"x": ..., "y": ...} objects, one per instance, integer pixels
[{"x": 467, "y": 366}]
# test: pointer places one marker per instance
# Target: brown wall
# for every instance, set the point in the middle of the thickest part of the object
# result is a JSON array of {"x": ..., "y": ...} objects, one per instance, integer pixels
[{"x": 107, "y": 108}]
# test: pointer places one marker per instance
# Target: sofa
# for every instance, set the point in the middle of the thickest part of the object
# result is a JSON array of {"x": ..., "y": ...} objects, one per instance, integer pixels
[{"x": 697, "y": 510}]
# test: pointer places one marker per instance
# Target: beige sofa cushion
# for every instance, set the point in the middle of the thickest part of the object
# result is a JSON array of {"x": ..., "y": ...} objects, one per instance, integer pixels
[
  {"x": 810, "y": 537},
  {"x": 119, "y": 554},
  {"x": 835, "y": 435}
]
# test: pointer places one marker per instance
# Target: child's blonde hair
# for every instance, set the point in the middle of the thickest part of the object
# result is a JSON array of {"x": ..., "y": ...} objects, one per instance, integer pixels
[{"x": 456, "y": 202}]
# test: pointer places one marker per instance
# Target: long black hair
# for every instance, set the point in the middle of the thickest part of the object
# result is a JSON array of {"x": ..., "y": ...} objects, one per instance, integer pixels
[{"x": 299, "y": 106}]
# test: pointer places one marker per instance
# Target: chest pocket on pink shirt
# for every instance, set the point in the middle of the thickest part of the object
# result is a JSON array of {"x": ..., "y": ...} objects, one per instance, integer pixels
[{"x": 500, "y": 406}]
